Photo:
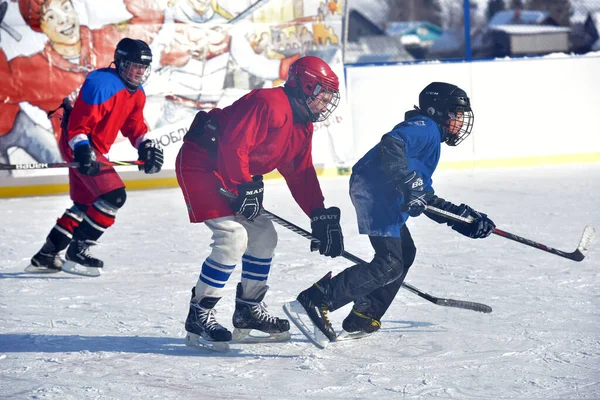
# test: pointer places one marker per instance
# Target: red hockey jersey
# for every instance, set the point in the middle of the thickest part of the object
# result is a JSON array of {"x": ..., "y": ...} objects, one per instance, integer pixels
[{"x": 259, "y": 135}]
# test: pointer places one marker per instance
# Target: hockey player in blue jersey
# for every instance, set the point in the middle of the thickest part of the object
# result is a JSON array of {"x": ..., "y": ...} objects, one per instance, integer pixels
[{"x": 389, "y": 184}]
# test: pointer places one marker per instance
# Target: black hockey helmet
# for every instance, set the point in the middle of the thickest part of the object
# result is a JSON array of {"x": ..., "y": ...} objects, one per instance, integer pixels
[
  {"x": 450, "y": 107},
  {"x": 132, "y": 59}
]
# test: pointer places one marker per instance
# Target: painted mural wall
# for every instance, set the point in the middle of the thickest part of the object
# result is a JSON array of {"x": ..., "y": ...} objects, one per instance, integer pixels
[{"x": 206, "y": 54}]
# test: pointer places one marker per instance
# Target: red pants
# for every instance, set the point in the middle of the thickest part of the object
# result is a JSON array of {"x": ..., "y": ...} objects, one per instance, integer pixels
[
  {"x": 199, "y": 181},
  {"x": 86, "y": 189}
]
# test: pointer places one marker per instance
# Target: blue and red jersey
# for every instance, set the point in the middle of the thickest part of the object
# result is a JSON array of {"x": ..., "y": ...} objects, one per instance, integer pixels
[{"x": 103, "y": 108}]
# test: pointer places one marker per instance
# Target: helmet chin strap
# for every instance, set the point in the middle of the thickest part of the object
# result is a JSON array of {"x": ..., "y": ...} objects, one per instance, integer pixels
[
  {"x": 443, "y": 128},
  {"x": 299, "y": 105}
]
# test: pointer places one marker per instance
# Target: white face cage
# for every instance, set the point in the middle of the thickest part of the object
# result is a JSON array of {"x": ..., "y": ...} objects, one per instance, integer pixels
[
  {"x": 322, "y": 103},
  {"x": 134, "y": 74}
]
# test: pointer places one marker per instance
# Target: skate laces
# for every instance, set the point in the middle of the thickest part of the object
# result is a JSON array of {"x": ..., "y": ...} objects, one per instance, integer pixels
[
  {"x": 372, "y": 321},
  {"x": 261, "y": 312},
  {"x": 208, "y": 315},
  {"x": 325, "y": 313},
  {"x": 84, "y": 247}
]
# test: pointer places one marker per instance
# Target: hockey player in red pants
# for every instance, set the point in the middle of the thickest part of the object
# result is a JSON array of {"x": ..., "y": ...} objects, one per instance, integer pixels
[
  {"x": 111, "y": 100},
  {"x": 266, "y": 129}
]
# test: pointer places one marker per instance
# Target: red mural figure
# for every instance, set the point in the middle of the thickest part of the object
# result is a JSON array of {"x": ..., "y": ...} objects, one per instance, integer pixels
[{"x": 46, "y": 78}]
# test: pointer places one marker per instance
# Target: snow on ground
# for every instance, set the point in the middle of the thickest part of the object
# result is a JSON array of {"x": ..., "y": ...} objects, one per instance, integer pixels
[{"x": 120, "y": 336}]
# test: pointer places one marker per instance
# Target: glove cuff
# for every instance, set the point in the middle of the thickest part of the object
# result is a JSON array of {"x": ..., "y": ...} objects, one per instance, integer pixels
[{"x": 325, "y": 213}]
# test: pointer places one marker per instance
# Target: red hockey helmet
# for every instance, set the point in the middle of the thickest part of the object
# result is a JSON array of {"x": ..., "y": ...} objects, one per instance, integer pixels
[{"x": 313, "y": 80}]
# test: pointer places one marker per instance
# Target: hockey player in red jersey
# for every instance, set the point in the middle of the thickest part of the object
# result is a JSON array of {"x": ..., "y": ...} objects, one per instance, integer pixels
[
  {"x": 233, "y": 147},
  {"x": 110, "y": 100}
]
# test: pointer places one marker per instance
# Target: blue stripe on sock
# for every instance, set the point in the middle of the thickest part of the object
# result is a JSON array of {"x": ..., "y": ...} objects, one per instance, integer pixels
[
  {"x": 216, "y": 264},
  {"x": 255, "y": 268},
  {"x": 210, "y": 283},
  {"x": 214, "y": 273},
  {"x": 254, "y": 278},
  {"x": 246, "y": 257}
]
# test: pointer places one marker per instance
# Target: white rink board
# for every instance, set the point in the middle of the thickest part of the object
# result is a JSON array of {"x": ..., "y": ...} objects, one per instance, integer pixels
[{"x": 523, "y": 108}]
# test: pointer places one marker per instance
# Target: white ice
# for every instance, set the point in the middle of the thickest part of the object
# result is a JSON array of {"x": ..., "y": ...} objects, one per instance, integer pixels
[{"x": 120, "y": 336}]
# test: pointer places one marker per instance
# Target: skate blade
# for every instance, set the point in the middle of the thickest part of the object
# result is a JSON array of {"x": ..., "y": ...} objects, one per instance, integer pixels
[
  {"x": 343, "y": 335},
  {"x": 256, "y": 336},
  {"x": 41, "y": 270},
  {"x": 196, "y": 341},
  {"x": 300, "y": 318},
  {"x": 71, "y": 267}
]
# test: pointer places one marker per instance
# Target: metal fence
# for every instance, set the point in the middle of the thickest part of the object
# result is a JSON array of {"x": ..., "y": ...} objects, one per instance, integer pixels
[{"x": 379, "y": 31}]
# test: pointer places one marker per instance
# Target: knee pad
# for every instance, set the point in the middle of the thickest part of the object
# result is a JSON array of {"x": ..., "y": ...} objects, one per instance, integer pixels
[
  {"x": 116, "y": 198},
  {"x": 389, "y": 268},
  {"x": 229, "y": 240},
  {"x": 262, "y": 237},
  {"x": 396, "y": 269},
  {"x": 77, "y": 211},
  {"x": 78, "y": 208}
]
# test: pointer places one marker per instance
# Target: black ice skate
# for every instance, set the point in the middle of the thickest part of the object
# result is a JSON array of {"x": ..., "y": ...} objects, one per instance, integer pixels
[
  {"x": 47, "y": 260},
  {"x": 79, "y": 261},
  {"x": 252, "y": 315},
  {"x": 357, "y": 325},
  {"x": 202, "y": 328},
  {"x": 310, "y": 314}
]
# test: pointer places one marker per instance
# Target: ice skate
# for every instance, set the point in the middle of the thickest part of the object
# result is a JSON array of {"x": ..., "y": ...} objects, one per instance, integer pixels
[
  {"x": 45, "y": 261},
  {"x": 310, "y": 314},
  {"x": 254, "y": 324},
  {"x": 203, "y": 330},
  {"x": 79, "y": 261},
  {"x": 357, "y": 325}
]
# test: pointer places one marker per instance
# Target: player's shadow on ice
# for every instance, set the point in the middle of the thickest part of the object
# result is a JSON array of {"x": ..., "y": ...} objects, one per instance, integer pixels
[
  {"x": 409, "y": 326},
  {"x": 27, "y": 275},
  {"x": 30, "y": 343}
]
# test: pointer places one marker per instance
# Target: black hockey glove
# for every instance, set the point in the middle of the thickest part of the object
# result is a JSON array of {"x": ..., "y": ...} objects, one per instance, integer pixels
[
  {"x": 250, "y": 198},
  {"x": 414, "y": 193},
  {"x": 85, "y": 156},
  {"x": 151, "y": 155},
  {"x": 480, "y": 228},
  {"x": 325, "y": 224}
]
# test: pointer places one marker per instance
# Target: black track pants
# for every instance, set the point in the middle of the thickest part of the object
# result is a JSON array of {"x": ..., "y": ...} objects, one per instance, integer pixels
[{"x": 374, "y": 285}]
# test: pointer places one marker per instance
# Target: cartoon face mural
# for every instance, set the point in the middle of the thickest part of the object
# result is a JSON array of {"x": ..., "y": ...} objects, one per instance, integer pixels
[
  {"x": 60, "y": 22},
  {"x": 207, "y": 53}
]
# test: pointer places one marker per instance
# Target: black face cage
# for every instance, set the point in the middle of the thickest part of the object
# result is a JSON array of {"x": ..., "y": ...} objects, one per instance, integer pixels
[
  {"x": 453, "y": 139},
  {"x": 127, "y": 71},
  {"x": 327, "y": 108}
]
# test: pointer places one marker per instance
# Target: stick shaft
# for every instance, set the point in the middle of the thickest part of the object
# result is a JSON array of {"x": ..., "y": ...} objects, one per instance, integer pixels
[
  {"x": 22, "y": 167},
  {"x": 576, "y": 255},
  {"x": 467, "y": 305}
]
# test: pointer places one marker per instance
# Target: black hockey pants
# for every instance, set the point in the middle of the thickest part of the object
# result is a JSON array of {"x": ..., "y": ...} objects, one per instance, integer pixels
[{"x": 373, "y": 286}]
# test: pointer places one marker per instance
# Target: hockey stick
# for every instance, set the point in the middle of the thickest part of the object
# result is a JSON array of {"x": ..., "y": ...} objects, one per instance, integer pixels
[
  {"x": 578, "y": 255},
  {"x": 4, "y": 167},
  {"x": 467, "y": 305}
]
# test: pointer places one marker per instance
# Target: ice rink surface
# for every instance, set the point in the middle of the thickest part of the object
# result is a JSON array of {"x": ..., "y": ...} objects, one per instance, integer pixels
[{"x": 120, "y": 336}]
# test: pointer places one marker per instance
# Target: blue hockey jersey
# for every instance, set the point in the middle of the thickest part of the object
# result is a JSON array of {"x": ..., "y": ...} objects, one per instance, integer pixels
[{"x": 374, "y": 190}]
